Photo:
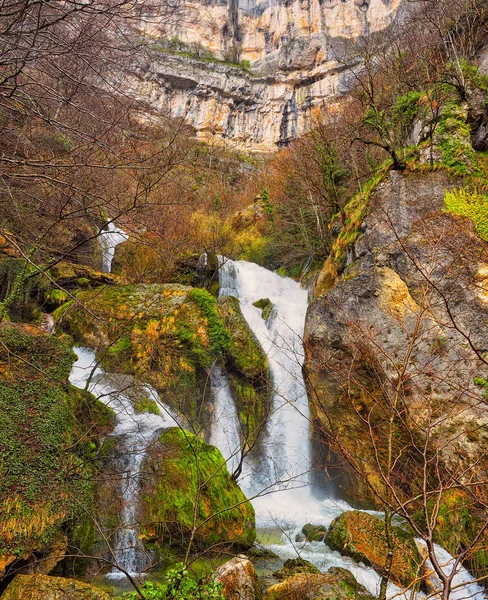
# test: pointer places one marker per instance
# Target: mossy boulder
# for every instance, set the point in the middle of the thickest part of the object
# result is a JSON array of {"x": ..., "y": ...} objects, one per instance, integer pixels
[
  {"x": 295, "y": 566},
  {"x": 42, "y": 587},
  {"x": 247, "y": 367},
  {"x": 45, "y": 452},
  {"x": 362, "y": 537},
  {"x": 265, "y": 305},
  {"x": 314, "y": 533},
  {"x": 336, "y": 584},
  {"x": 186, "y": 485},
  {"x": 166, "y": 334}
]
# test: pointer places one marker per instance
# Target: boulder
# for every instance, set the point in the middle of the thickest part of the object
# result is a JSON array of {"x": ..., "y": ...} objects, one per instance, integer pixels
[
  {"x": 239, "y": 580},
  {"x": 295, "y": 566},
  {"x": 362, "y": 537},
  {"x": 336, "y": 584},
  {"x": 49, "y": 430},
  {"x": 42, "y": 587},
  {"x": 314, "y": 533},
  {"x": 181, "y": 470}
]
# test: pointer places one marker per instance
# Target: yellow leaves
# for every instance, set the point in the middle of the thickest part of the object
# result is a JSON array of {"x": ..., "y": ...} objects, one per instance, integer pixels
[
  {"x": 152, "y": 331},
  {"x": 184, "y": 366}
]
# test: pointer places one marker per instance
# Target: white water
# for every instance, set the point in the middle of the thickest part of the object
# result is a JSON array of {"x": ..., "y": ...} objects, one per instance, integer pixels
[
  {"x": 136, "y": 431},
  {"x": 110, "y": 238},
  {"x": 225, "y": 424},
  {"x": 279, "y": 482}
]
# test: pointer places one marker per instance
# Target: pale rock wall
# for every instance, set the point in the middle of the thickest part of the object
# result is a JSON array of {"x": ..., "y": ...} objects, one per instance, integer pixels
[{"x": 297, "y": 51}]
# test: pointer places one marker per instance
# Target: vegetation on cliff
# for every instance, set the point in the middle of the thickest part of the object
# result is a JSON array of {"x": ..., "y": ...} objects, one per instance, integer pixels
[{"x": 49, "y": 434}]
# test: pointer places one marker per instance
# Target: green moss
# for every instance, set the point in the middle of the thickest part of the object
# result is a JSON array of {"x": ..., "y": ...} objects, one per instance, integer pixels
[
  {"x": 187, "y": 485},
  {"x": 46, "y": 455},
  {"x": 471, "y": 204},
  {"x": 266, "y": 307},
  {"x": 147, "y": 405}
]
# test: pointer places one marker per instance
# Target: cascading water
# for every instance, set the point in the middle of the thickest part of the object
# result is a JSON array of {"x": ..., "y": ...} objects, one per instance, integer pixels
[
  {"x": 279, "y": 480},
  {"x": 225, "y": 426},
  {"x": 110, "y": 238},
  {"x": 135, "y": 431}
]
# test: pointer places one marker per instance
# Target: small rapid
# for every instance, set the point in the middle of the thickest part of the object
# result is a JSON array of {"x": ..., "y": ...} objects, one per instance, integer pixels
[{"x": 134, "y": 432}]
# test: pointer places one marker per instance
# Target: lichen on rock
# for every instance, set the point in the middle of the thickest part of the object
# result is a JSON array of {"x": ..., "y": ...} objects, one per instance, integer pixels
[{"x": 42, "y": 587}]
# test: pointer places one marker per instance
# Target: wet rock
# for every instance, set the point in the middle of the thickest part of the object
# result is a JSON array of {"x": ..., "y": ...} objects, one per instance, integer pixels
[
  {"x": 42, "y": 587},
  {"x": 266, "y": 307},
  {"x": 258, "y": 551},
  {"x": 172, "y": 477},
  {"x": 314, "y": 533},
  {"x": 362, "y": 537},
  {"x": 239, "y": 579},
  {"x": 336, "y": 584},
  {"x": 295, "y": 566}
]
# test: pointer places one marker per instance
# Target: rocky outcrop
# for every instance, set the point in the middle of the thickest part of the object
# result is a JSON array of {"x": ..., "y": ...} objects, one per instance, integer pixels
[
  {"x": 169, "y": 335},
  {"x": 239, "y": 579},
  {"x": 187, "y": 489},
  {"x": 48, "y": 435},
  {"x": 336, "y": 584},
  {"x": 41, "y": 587},
  {"x": 254, "y": 73},
  {"x": 395, "y": 344},
  {"x": 295, "y": 566},
  {"x": 362, "y": 537}
]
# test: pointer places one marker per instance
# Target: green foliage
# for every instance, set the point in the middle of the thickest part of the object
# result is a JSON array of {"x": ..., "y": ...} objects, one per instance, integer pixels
[
  {"x": 265, "y": 199},
  {"x": 147, "y": 405},
  {"x": 245, "y": 64},
  {"x": 179, "y": 585},
  {"x": 454, "y": 139},
  {"x": 471, "y": 204},
  {"x": 47, "y": 475},
  {"x": 405, "y": 110}
]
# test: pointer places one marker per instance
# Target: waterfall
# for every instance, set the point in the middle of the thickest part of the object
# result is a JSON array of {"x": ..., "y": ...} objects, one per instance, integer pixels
[
  {"x": 110, "y": 238},
  {"x": 286, "y": 456},
  {"x": 278, "y": 481},
  {"x": 225, "y": 432},
  {"x": 135, "y": 432}
]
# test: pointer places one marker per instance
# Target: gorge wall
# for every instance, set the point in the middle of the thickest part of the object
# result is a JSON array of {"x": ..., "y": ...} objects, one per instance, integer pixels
[{"x": 253, "y": 73}]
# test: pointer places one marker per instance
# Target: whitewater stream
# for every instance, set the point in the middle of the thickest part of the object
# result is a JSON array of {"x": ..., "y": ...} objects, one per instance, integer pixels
[
  {"x": 109, "y": 239},
  {"x": 279, "y": 480},
  {"x": 134, "y": 432}
]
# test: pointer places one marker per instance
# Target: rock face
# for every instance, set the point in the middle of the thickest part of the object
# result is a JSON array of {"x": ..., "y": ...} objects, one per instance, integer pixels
[
  {"x": 362, "y": 537},
  {"x": 45, "y": 454},
  {"x": 336, "y": 584},
  {"x": 41, "y": 587},
  {"x": 239, "y": 579},
  {"x": 295, "y": 52},
  {"x": 169, "y": 335},
  {"x": 394, "y": 335},
  {"x": 186, "y": 485}
]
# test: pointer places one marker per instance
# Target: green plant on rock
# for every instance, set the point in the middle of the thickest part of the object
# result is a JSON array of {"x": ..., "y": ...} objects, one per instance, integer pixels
[
  {"x": 179, "y": 584},
  {"x": 471, "y": 204}
]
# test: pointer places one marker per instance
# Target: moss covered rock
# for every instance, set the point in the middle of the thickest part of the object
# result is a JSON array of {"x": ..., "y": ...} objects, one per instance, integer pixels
[
  {"x": 362, "y": 537},
  {"x": 45, "y": 451},
  {"x": 185, "y": 487},
  {"x": 314, "y": 533},
  {"x": 295, "y": 566},
  {"x": 42, "y": 587},
  {"x": 265, "y": 305},
  {"x": 336, "y": 584},
  {"x": 167, "y": 335},
  {"x": 247, "y": 367}
]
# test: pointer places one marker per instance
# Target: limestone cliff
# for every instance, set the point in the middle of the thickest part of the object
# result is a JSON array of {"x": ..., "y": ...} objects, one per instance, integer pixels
[
  {"x": 253, "y": 72},
  {"x": 396, "y": 357}
]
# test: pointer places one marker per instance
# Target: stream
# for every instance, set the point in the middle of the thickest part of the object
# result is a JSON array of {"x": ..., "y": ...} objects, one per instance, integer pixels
[{"x": 277, "y": 477}]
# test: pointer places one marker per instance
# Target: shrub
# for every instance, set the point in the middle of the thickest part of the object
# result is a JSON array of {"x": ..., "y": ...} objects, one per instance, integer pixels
[{"x": 471, "y": 204}]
